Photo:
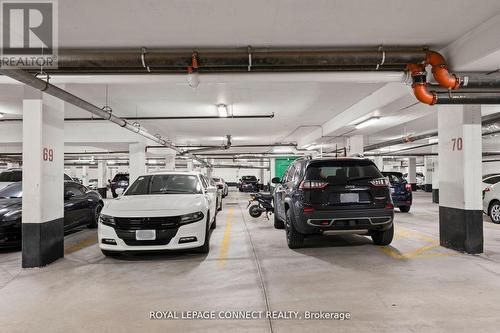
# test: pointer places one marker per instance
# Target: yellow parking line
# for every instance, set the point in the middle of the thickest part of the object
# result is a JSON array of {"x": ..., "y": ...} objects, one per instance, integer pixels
[
  {"x": 225, "y": 241},
  {"x": 81, "y": 245}
]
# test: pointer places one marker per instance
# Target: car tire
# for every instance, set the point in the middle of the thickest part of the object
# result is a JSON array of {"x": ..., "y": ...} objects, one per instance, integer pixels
[
  {"x": 254, "y": 211},
  {"x": 109, "y": 253},
  {"x": 404, "y": 209},
  {"x": 494, "y": 212},
  {"x": 214, "y": 223},
  {"x": 383, "y": 238},
  {"x": 278, "y": 223},
  {"x": 219, "y": 207},
  {"x": 205, "y": 248},
  {"x": 294, "y": 239},
  {"x": 95, "y": 216}
]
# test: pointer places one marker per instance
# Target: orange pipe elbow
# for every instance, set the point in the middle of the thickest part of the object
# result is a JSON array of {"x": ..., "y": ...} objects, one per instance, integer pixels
[
  {"x": 423, "y": 95},
  {"x": 440, "y": 71}
]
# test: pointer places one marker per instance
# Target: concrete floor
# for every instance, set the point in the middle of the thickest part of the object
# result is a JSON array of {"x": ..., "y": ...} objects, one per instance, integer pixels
[{"x": 412, "y": 286}]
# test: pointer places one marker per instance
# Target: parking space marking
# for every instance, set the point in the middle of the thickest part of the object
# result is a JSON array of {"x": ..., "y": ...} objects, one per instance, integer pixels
[
  {"x": 225, "y": 240},
  {"x": 81, "y": 245},
  {"x": 419, "y": 252}
]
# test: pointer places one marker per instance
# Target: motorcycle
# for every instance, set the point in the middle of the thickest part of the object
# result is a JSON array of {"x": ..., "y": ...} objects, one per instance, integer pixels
[{"x": 260, "y": 203}]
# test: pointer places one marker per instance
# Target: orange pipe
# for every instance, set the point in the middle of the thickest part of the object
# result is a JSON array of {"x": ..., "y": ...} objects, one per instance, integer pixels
[
  {"x": 420, "y": 88},
  {"x": 440, "y": 71}
]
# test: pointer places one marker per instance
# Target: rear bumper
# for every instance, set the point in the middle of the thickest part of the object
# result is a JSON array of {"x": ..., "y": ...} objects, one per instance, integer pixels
[
  {"x": 10, "y": 237},
  {"x": 355, "y": 221}
]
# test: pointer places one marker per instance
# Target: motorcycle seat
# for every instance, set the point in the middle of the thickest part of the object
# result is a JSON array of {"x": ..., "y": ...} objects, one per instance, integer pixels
[{"x": 266, "y": 196}]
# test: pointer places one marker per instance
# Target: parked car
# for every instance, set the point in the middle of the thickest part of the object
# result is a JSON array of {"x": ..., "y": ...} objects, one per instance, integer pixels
[
  {"x": 248, "y": 184},
  {"x": 420, "y": 179},
  {"x": 93, "y": 184},
  {"x": 332, "y": 196},
  {"x": 220, "y": 183},
  {"x": 119, "y": 183},
  {"x": 81, "y": 208},
  {"x": 491, "y": 199},
  {"x": 219, "y": 196},
  {"x": 400, "y": 190},
  {"x": 14, "y": 175},
  {"x": 490, "y": 180},
  {"x": 160, "y": 211}
]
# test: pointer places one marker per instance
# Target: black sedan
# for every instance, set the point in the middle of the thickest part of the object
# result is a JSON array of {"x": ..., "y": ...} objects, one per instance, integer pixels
[{"x": 81, "y": 208}]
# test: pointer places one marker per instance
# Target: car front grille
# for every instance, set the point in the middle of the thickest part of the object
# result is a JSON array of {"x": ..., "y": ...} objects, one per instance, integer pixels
[{"x": 147, "y": 223}]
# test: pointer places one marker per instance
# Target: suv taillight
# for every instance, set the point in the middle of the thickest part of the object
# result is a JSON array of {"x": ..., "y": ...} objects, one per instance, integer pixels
[
  {"x": 408, "y": 187},
  {"x": 312, "y": 184},
  {"x": 380, "y": 182}
]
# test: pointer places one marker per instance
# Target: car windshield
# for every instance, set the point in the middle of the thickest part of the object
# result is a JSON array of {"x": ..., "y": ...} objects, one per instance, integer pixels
[
  {"x": 12, "y": 191},
  {"x": 394, "y": 177},
  {"x": 249, "y": 178},
  {"x": 492, "y": 180},
  {"x": 165, "y": 184},
  {"x": 119, "y": 178},
  {"x": 342, "y": 172},
  {"x": 11, "y": 176}
]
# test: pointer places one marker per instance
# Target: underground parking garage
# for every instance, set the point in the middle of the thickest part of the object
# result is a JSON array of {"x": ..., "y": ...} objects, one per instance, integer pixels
[{"x": 261, "y": 166}]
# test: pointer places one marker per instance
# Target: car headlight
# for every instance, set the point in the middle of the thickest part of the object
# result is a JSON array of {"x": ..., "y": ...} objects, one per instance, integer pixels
[
  {"x": 107, "y": 220},
  {"x": 190, "y": 218},
  {"x": 12, "y": 215}
]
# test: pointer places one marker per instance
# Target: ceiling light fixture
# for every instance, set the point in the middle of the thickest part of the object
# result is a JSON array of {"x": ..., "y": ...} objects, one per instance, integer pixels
[
  {"x": 222, "y": 109},
  {"x": 367, "y": 122}
]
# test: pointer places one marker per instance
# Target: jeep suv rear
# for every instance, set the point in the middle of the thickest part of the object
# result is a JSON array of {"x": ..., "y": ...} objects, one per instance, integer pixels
[{"x": 334, "y": 196}]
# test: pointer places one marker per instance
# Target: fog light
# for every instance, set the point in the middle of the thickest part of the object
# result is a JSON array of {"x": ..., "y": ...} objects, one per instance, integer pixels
[
  {"x": 187, "y": 240},
  {"x": 108, "y": 241}
]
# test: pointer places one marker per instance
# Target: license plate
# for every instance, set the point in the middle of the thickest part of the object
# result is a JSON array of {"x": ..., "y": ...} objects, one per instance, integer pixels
[
  {"x": 349, "y": 197},
  {"x": 145, "y": 234},
  {"x": 393, "y": 190}
]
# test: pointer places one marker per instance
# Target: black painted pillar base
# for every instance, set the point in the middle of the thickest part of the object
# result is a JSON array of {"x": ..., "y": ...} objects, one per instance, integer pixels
[
  {"x": 461, "y": 229},
  {"x": 413, "y": 186},
  {"x": 43, "y": 243},
  {"x": 427, "y": 187},
  {"x": 435, "y": 195}
]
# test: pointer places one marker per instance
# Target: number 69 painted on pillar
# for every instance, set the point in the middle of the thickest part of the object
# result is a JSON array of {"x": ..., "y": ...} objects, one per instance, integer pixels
[
  {"x": 458, "y": 143},
  {"x": 48, "y": 154}
]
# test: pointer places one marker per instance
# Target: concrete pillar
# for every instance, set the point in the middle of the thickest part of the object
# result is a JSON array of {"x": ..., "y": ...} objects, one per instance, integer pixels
[
  {"x": 412, "y": 173},
  {"x": 460, "y": 170},
  {"x": 43, "y": 176},
  {"x": 189, "y": 165},
  {"x": 356, "y": 144},
  {"x": 73, "y": 171},
  {"x": 435, "y": 175},
  {"x": 379, "y": 162},
  {"x": 85, "y": 175},
  {"x": 428, "y": 173},
  {"x": 102, "y": 180},
  {"x": 170, "y": 162},
  {"x": 137, "y": 160}
]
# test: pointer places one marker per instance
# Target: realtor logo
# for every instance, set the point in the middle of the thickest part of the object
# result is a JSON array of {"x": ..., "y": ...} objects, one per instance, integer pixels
[{"x": 29, "y": 34}]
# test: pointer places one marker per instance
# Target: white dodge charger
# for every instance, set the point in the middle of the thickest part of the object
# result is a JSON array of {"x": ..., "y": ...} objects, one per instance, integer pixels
[{"x": 160, "y": 211}]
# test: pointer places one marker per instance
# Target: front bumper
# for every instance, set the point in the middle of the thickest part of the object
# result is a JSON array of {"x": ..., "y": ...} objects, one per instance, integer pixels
[
  {"x": 10, "y": 236},
  {"x": 196, "y": 229},
  {"x": 355, "y": 221}
]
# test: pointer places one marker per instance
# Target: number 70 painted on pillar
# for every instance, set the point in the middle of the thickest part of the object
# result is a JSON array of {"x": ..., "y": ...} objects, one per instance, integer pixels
[
  {"x": 48, "y": 154},
  {"x": 458, "y": 143}
]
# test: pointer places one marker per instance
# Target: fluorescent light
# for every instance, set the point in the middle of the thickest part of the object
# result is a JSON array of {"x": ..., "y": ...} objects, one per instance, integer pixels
[
  {"x": 368, "y": 122},
  {"x": 222, "y": 109}
]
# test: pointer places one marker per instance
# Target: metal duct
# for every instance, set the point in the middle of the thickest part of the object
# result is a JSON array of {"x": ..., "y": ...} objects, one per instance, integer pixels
[{"x": 52, "y": 90}]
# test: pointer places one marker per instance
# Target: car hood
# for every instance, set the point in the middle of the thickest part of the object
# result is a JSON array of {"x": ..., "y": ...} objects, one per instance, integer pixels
[
  {"x": 8, "y": 205},
  {"x": 155, "y": 205}
]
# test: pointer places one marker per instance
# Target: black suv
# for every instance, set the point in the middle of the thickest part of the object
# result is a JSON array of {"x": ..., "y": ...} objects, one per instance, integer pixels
[
  {"x": 249, "y": 184},
  {"x": 333, "y": 196}
]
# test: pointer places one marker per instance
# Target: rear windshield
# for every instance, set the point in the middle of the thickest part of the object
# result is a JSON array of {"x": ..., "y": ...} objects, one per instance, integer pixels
[
  {"x": 249, "y": 178},
  {"x": 11, "y": 176},
  {"x": 216, "y": 179},
  {"x": 492, "y": 180},
  {"x": 120, "y": 178},
  {"x": 342, "y": 172},
  {"x": 165, "y": 184},
  {"x": 394, "y": 177}
]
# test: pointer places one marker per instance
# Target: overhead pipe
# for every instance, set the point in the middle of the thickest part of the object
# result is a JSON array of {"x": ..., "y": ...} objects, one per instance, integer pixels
[
  {"x": 158, "y": 118},
  {"x": 225, "y": 146},
  {"x": 235, "y": 60},
  {"x": 52, "y": 90}
]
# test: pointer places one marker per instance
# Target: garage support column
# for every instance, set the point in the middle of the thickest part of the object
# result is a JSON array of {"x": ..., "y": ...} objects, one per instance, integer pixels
[
  {"x": 43, "y": 169},
  {"x": 412, "y": 173},
  {"x": 170, "y": 162},
  {"x": 189, "y": 165},
  {"x": 428, "y": 173},
  {"x": 356, "y": 144},
  {"x": 137, "y": 160},
  {"x": 85, "y": 175},
  {"x": 460, "y": 170},
  {"x": 101, "y": 178}
]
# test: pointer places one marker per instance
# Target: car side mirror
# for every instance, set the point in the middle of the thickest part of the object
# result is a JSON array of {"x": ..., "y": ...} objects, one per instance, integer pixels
[
  {"x": 68, "y": 195},
  {"x": 276, "y": 180},
  {"x": 211, "y": 189}
]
